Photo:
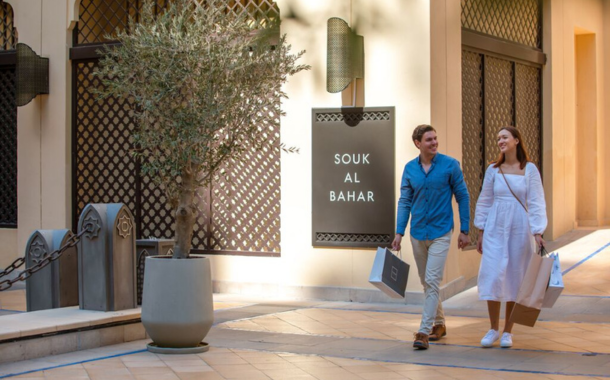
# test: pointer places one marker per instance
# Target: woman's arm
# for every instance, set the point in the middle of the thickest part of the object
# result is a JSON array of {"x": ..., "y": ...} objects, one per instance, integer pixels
[
  {"x": 535, "y": 201},
  {"x": 486, "y": 199}
]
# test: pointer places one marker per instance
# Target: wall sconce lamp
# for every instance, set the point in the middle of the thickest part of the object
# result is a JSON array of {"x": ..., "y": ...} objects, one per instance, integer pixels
[
  {"x": 345, "y": 56},
  {"x": 32, "y": 74}
]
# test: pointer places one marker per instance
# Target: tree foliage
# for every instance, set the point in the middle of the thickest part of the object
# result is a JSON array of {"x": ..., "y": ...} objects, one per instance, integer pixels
[{"x": 205, "y": 87}]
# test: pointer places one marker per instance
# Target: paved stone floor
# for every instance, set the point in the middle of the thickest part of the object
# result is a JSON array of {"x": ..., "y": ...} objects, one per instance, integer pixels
[{"x": 257, "y": 338}]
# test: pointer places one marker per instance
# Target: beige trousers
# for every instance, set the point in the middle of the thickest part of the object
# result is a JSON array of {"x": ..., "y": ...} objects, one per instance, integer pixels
[{"x": 430, "y": 257}]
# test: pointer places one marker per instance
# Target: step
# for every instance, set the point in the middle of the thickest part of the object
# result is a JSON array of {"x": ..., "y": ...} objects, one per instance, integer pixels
[{"x": 43, "y": 333}]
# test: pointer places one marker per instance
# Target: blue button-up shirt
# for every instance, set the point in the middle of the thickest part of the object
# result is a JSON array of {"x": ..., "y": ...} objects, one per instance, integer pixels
[{"x": 427, "y": 198}]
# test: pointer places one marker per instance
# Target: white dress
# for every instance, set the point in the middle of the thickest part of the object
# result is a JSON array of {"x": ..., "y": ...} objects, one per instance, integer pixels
[{"x": 508, "y": 240}]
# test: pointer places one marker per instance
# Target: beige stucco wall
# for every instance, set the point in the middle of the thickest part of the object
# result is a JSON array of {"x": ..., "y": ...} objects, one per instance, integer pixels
[
  {"x": 604, "y": 140},
  {"x": 412, "y": 56},
  {"x": 43, "y": 131},
  {"x": 8, "y": 242},
  {"x": 28, "y": 136},
  {"x": 564, "y": 178},
  {"x": 585, "y": 52},
  {"x": 56, "y": 171},
  {"x": 397, "y": 63}
]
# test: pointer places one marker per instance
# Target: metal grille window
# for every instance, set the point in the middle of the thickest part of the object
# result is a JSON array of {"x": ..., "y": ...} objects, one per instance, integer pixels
[
  {"x": 513, "y": 20},
  {"x": 238, "y": 214},
  {"x": 8, "y": 121}
]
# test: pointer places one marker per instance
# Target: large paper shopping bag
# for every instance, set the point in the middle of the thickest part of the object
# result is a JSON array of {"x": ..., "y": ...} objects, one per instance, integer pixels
[
  {"x": 389, "y": 273},
  {"x": 524, "y": 315},
  {"x": 532, "y": 290},
  {"x": 555, "y": 283}
]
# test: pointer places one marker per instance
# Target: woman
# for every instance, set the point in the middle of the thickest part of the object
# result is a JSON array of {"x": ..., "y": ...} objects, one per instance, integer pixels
[{"x": 511, "y": 217}]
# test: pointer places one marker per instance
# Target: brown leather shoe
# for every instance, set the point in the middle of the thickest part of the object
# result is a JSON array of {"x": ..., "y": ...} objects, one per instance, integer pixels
[
  {"x": 438, "y": 331},
  {"x": 421, "y": 341}
]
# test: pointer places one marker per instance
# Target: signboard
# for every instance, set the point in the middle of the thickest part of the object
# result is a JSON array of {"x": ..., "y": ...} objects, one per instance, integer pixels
[{"x": 353, "y": 177}]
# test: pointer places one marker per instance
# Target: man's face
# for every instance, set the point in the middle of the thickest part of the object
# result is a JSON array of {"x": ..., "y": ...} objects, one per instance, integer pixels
[{"x": 428, "y": 143}]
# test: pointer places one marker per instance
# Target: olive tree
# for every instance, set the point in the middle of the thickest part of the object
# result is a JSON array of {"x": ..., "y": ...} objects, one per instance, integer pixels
[{"x": 205, "y": 86}]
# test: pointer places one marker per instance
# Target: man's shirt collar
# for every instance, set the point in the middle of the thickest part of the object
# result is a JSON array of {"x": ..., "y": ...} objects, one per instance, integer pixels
[{"x": 432, "y": 161}]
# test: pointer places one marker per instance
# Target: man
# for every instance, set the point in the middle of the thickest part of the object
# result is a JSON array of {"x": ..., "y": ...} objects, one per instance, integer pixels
[{"x": 428, "y": 184}]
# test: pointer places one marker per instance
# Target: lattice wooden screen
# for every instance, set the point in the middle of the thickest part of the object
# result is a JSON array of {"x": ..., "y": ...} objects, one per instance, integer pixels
[
  {"x": 8, "y": 149},
  {"x": 105, "y": 171},
  {"x": 240, "y": 212},
  {"x": 499, "y": 102},
  {"x": 260, "y": 12},
  {"x": 8, "y": 33},
  {"x": 496, "y": 93},
  {"x": 246, "y": 204},
  {"x": 514, "y": 20},
  {"x": 528, "y": 113},
  {"x": 99, "y": 18}
]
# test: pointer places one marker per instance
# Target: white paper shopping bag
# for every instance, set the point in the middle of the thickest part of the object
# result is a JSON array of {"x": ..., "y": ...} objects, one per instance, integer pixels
[{"x": 555, "y": 283}]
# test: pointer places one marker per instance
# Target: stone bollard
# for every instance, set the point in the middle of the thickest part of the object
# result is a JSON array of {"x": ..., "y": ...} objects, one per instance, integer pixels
[
  {"x": 150, "y": 247},
  {"x": 55, "y": 285},
  {"x": 106, "y": 258}
]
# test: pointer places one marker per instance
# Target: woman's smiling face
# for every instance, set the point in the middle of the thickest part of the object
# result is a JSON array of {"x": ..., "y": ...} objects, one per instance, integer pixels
[{"x": 506, "y": 141}]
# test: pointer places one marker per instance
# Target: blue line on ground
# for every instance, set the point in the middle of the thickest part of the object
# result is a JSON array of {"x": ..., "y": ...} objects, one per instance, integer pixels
[
  {"x": 69, "y": 364},
  {"x": 585, "y": 259},
  {"x": 586, "y": 296},
  {"x": 13, "y": 311}
]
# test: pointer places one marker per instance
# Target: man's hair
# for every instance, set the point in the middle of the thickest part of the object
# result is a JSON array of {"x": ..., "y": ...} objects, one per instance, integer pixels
[{"x": 419, "y": 131}]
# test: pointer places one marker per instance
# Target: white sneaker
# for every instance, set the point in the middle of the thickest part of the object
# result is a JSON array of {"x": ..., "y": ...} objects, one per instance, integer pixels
[
  {"x": 507, "y": 340},
  {"x": 489, "y": 338}
]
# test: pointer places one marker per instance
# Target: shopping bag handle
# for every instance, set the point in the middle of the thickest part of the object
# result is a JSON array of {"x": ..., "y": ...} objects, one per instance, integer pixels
[
  {"x": 542, "y": 251},
  {"x": 400, "y": 254}
]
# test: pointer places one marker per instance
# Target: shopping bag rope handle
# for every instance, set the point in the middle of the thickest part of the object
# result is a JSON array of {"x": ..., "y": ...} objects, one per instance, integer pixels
[
  {"x": 543, "y": 252},
  {"x": 399, "y": 254}
]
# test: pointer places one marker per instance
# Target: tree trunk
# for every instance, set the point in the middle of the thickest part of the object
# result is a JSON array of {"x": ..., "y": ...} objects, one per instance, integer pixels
[{"x": 185, "y": 214}]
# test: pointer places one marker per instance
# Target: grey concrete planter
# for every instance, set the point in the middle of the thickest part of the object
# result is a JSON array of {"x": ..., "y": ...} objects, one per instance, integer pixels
[{"x": 177, "y": 304}]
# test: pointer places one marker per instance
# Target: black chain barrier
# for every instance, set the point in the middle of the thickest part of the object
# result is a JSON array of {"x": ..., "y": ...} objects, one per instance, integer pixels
[
  {"x": 24, "y": 275},
  {"x": 14, "y": 265}
]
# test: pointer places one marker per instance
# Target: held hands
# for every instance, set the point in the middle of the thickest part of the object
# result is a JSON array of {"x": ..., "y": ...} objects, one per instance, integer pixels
[
  {"x": 396, "y": 242},
  {"x": 463, "y": 240}
]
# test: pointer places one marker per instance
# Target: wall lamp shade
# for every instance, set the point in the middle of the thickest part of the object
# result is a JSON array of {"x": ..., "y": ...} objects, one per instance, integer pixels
[
  {"x": 32, "y": 74},
  {"x": 345, "y": 55}
]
